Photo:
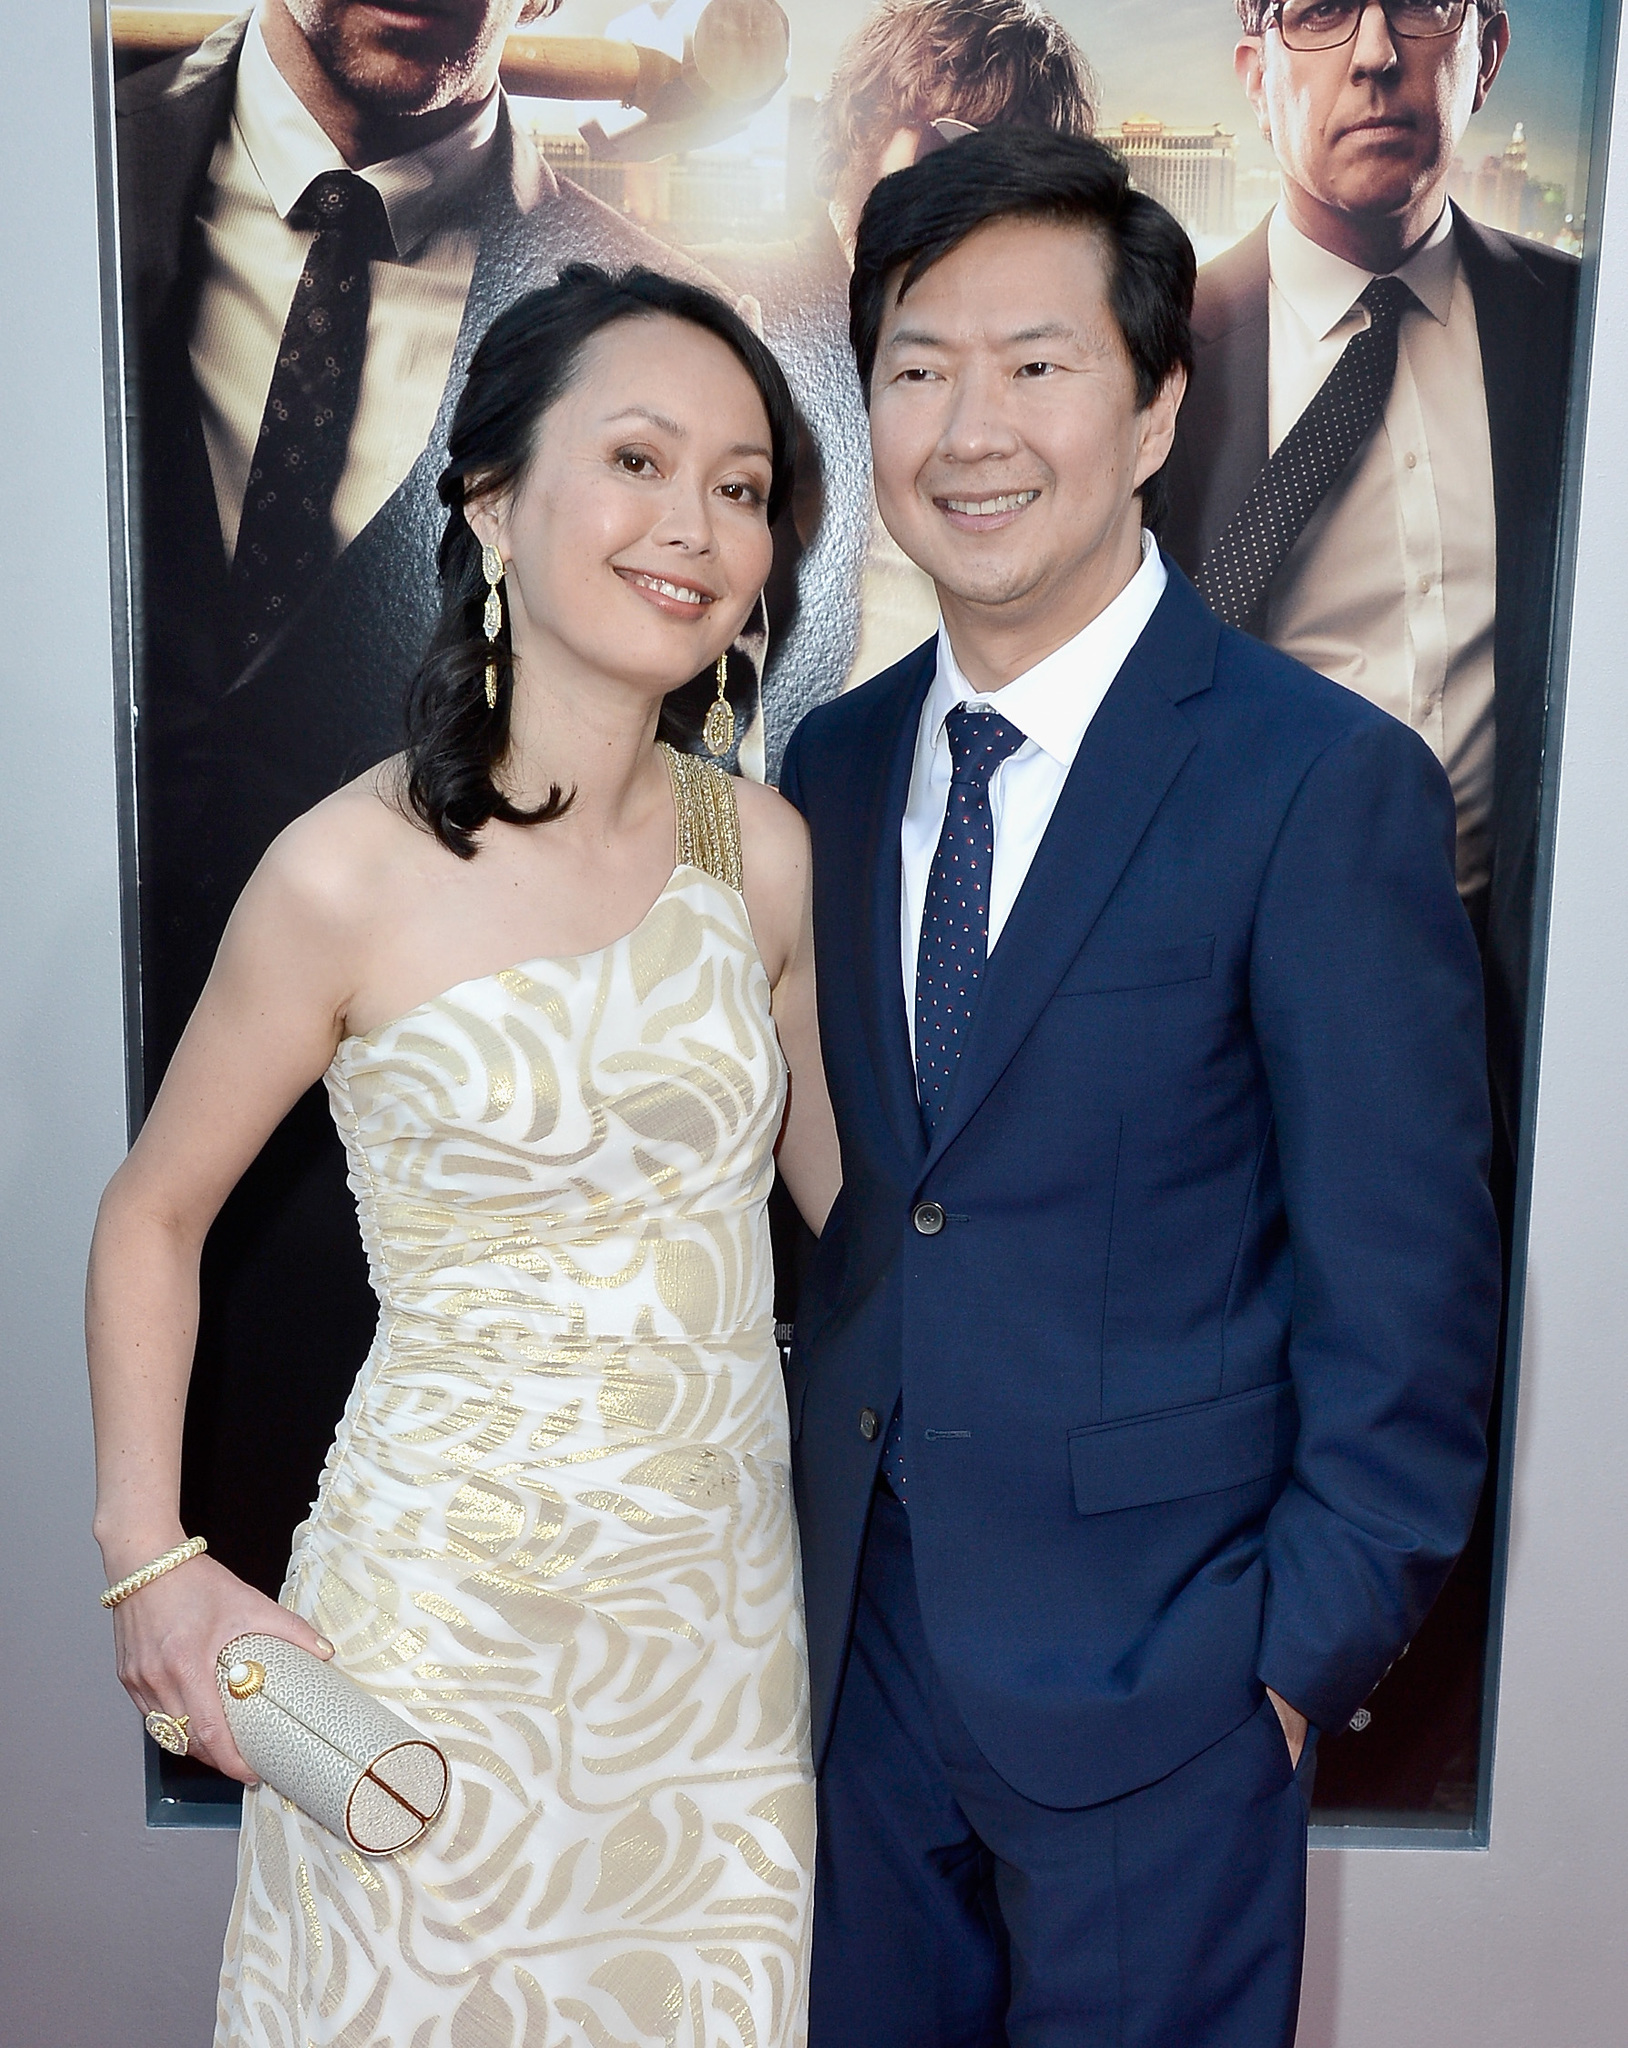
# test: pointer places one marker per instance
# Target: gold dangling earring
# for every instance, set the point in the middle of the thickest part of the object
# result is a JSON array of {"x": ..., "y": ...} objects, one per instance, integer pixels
[
  {"x": 718, "y": 733},
  {"x": 492, "y": 567}
]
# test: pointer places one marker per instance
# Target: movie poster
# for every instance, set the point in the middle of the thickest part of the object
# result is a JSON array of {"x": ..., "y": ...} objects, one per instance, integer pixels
[{"x": 735, "y": 141}]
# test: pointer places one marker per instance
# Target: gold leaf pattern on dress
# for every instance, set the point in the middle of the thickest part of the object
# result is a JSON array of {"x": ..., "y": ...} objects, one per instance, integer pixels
[
  {"x": 726, "y": 1999},
  {"x": 555, "y": 1528},
  {"x": 630, "y": 1853},
  {"x": 666, "y": 943},
  {"x": 647, "y": 1988},
  {"x": 687, "y": 1283},
  {"x": 482, "y": 2021}
]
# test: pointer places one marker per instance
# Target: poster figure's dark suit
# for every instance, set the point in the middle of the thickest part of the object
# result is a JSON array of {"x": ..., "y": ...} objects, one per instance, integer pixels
[
  {"x": 1525, "y": 309},
  {"x": 1422, "y": 1743},
  {"x": 1192, "y": 1301},
  {"x": 229, "y": 753}
]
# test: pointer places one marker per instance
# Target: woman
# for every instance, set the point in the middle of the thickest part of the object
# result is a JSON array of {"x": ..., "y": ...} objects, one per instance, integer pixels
[{"x": 555, "y": 1527}]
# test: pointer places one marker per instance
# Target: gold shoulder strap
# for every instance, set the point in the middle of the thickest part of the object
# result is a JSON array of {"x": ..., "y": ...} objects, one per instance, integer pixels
[{"x": 709, "y": 833}]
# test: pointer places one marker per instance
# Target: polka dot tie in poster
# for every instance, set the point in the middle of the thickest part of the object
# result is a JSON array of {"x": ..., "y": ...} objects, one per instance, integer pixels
[
  {"x": 1236, "y": 574},
  {"x": 285, "y": 538}
]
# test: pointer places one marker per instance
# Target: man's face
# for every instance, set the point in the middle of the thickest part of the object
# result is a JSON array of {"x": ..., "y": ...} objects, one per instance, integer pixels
[
  {"x": 1007, "y": 441},
  {"x": 1370, "y": 127},
  {"x": 410, "y": 56}
]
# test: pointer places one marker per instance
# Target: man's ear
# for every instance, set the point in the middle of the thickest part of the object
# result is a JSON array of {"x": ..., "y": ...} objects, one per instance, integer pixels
[
  {"x": 1249, "y": 63},
  {"x": 1494, "y": 48},
  {"x": 1158, "y": 421}
]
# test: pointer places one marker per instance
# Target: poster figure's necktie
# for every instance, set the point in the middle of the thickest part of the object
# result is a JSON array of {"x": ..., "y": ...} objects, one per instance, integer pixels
[
  {"x": 954, "y": 945},
  {"x": 285, "y": 537},
  {"x": 1236, "y": 574}
]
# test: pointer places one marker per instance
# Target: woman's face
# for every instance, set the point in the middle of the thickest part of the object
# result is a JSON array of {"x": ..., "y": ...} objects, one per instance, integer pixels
[{"x": 637, "y": 537}]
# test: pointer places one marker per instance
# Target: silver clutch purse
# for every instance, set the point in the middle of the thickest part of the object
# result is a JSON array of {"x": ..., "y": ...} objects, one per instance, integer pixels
[{"x": 314, "y": 1736}]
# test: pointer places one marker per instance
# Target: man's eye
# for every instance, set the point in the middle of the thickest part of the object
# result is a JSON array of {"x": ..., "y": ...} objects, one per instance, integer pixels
[
  {"x": 1037, "y": 369},
  {"x": 918, "y": 373}
]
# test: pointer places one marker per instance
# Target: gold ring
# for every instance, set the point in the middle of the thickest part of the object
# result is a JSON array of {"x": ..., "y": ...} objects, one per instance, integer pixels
[{"x": 169, "y": 1731}]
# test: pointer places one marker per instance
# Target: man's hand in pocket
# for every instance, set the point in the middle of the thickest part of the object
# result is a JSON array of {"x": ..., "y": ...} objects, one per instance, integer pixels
[{"x": 1295, "y": 1725}]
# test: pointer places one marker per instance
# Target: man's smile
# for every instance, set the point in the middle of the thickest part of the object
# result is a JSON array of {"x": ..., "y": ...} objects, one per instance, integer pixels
[{"x": 986, "y": 513}]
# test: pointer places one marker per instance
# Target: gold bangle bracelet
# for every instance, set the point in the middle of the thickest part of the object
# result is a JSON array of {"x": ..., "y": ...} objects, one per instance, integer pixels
[{"x": 195, "y": 1546}]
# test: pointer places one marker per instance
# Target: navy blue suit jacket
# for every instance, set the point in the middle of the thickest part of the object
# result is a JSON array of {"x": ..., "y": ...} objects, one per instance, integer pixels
[{"x": 1196, "y": 1371}]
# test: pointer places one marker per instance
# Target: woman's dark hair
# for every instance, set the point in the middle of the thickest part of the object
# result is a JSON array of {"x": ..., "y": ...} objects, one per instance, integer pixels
[
  {"x": 916, "y": 217},
  {"x": 528, "y": 359}
]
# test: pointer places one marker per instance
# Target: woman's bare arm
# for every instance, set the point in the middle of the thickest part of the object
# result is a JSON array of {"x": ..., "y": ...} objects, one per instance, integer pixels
[
  {"x": 779, "y": 886},
  {"x": 264, "y": 1029}
]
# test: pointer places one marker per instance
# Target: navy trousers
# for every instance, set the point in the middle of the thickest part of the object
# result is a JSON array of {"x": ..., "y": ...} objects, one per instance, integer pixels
[{"x": 951, "y": 1912}]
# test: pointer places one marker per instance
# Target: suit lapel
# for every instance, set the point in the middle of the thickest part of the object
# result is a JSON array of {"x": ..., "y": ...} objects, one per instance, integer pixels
[
  {"x": 169, "y": 123},
  {"x": 880, "y": 877},
  {"x": 1223, "y": 428},
  {"x": 1132, "y": 751}
]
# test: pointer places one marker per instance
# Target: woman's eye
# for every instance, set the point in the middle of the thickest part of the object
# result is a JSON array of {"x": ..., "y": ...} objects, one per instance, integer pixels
[
  {"x": 635, "y": 462},
  {"x": 742, "y": 493}
]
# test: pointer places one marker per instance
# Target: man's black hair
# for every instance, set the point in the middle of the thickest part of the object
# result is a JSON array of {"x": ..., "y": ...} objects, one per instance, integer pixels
[{"x": 916, "y": 217}]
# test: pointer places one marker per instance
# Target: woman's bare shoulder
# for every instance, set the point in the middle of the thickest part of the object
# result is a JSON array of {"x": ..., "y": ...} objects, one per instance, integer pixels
[{"x": 773, "y": 834}]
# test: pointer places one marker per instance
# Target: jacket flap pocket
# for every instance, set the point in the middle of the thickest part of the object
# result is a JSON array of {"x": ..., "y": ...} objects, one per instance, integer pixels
[
  {"x": 1097, "y": 972},
  {"x": 1184, "y": 1451}
]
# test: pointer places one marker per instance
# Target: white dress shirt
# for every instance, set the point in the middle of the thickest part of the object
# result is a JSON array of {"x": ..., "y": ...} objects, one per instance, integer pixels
[
  {"x": 271, "y": 152},
  {"x": 1051, "y": 704},
  {"x": 1391, "y": 589}
]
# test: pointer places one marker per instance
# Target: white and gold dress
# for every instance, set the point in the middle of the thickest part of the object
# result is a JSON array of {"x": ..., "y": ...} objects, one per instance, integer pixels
[{"x": 555, "y": 1528}]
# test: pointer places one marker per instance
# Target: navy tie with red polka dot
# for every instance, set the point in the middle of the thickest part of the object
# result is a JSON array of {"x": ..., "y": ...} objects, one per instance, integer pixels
[{"x": 954, "y": 945}]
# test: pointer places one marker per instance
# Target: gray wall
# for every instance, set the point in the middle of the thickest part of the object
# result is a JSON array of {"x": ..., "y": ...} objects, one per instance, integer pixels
[{"x": 109, "y": 1933}]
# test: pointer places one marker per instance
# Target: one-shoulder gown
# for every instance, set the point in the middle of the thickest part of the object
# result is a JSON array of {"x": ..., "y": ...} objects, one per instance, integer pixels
[{"x": 555, "y": 1527}]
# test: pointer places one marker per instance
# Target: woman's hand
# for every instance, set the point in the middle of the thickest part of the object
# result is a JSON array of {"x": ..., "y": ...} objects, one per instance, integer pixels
[{"x": 168, "y": 1635}]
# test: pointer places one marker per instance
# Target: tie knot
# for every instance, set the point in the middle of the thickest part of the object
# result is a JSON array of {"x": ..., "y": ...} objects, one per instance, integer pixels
[
  {"x": 1387, "y": 299},
  {"x": 339, "y": 202},
  {"x": 979, "y": 742}
]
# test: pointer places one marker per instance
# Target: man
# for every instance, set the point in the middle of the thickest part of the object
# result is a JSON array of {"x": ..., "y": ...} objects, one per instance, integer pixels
[
  {"x": 348, "y": 173},
  {"x": 1413, "y": 559},
  {"x": 843, "y": 601},
  {"x": 1140, "y": 1381}
]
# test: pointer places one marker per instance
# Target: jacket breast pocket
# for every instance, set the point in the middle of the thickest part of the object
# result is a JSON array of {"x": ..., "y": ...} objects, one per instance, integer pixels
[
  {"x": 1100, "y": 970},
  {"x": 1183, "y": 1452}
]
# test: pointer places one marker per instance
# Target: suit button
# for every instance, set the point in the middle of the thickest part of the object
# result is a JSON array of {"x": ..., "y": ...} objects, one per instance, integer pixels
[
  {"x": 928, "y": 1218},
  {"x": 869, "y": 1424}
]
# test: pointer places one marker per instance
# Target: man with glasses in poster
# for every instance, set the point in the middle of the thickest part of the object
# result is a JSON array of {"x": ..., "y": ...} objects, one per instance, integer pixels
[{"x": 1367, "y": 469}]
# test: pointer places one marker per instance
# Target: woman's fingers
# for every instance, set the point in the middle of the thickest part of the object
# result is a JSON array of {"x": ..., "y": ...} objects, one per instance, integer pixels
[
  {"x": 169, "y": 1638},
  {"x": 292, "y": 1628}
]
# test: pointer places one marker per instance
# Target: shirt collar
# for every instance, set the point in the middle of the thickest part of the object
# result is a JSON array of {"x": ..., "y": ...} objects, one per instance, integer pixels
[
  {"x": 1053, "y": 702},
  {"x": 288, "y": 149},
  {"x": 1322, "y": 288}
]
